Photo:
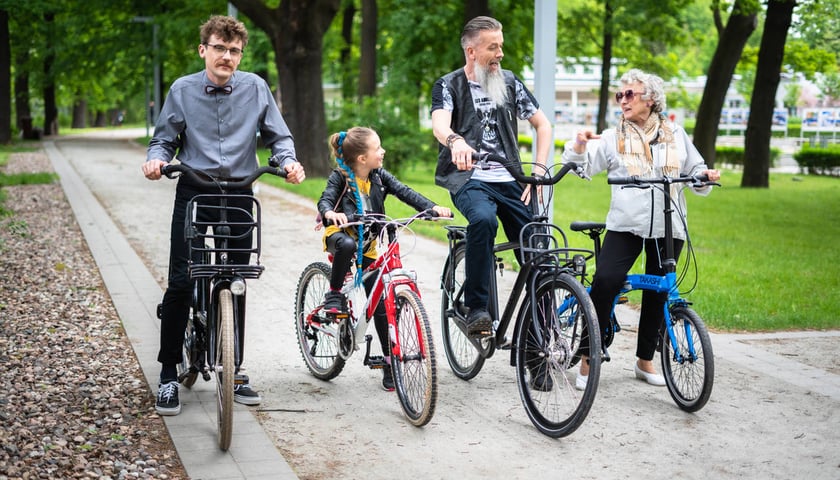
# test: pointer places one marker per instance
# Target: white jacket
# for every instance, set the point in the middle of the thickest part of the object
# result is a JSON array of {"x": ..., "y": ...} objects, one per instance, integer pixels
[{"x": 635, "y": 210}]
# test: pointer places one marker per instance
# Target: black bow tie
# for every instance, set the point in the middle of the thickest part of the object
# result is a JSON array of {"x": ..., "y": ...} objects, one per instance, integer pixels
[{"x": 214, "y": 89}]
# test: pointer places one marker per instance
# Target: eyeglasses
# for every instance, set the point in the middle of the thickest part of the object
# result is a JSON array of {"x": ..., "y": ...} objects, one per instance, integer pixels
[
  {"x": 221, "y": 49},
  {"x": 630, "y": 94}
]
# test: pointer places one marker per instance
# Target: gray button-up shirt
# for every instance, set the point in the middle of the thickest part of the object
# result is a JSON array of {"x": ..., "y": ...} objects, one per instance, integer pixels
[{"x": 217, "y": 132}]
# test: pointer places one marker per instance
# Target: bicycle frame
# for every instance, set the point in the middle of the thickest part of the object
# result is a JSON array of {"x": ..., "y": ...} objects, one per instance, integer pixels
[
  {"x": 389, "y": 275},
  {"x": 215, "y": 267}
]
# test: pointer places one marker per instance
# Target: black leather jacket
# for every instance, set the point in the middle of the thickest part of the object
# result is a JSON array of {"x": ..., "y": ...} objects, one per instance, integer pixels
[{"x": 339, "y": 198}]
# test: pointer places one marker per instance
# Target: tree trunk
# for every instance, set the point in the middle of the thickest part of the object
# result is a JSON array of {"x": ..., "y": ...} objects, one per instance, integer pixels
[
  {"x": 50, "y": 108},
  {"x": 760, "y": 123},
  {"x": 475, "y": 8},
  {"x": 606, "y": 61},
  {"x": 23, "y": 113},
  {"x": 347, "y": 79},
  {"x": 367, "y": 62},
  {"x": 296, "y": 29},
  {"x": 5, "y": 80},
  {"x": 734, "y": 36},
  {"x": 79, "y": 114}
]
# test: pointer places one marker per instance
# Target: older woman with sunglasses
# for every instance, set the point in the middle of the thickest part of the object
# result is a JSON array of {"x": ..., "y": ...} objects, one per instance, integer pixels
[{"x": 645, "y": 144}]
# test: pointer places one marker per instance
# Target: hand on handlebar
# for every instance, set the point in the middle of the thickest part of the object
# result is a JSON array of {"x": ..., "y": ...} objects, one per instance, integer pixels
[
  {"x": 713, "y": 175},
  {"x": 335, "y": 218},
  {"x": 443, "y": 212},
  {"x": 462, "y": 155},
  {"x": 295, "y": 173},
  {"x": 151, "y": 168}
]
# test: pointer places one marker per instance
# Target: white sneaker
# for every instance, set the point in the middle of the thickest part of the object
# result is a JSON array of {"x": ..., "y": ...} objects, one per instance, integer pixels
[{"x": 581, "y": 381}]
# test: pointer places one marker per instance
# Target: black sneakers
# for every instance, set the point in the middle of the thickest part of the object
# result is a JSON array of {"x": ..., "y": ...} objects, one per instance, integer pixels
[
  {"x": 242, "y": 391},
  {"x": 387, "y": 379},
  {"x": 167, "y": 402},
  {"x": 479, "y": 323},
  {"x": 335, "y": 302}
]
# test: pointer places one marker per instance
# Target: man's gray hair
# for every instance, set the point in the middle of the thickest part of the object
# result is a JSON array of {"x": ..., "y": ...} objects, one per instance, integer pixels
[
  {"x": 654, "y": 87},
  {"x": 476, "y": 26}
]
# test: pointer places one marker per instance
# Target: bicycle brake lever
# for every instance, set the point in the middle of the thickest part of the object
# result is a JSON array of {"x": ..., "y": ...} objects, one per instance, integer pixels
[{"x": 580, "y": 172}]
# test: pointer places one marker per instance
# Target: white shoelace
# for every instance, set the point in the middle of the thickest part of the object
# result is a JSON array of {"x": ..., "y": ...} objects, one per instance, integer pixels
[{"x": 168, "y": 391}]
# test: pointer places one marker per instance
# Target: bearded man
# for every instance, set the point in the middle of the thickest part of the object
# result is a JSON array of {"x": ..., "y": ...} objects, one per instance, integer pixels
[{"x": 476, "y": 109}]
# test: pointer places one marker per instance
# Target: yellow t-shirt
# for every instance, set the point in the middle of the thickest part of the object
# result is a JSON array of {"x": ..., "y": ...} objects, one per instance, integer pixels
[{"x": 364, "y": 192}]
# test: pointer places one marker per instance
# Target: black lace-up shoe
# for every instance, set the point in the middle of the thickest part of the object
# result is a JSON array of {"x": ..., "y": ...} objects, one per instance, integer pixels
[{"x": 167, "y": 402}]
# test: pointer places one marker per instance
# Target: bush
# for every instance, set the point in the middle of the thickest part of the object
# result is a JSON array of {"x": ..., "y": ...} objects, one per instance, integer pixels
[
  {"x": 819, "y": 161},
  {"x": 734, "y": 156}
]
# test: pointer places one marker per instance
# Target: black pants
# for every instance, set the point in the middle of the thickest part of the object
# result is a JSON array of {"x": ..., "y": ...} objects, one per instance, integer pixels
[
  {"x": 343, "y": 248},
  {"x": 618, "y": 254},
  {"x": 176, "y": 299}
]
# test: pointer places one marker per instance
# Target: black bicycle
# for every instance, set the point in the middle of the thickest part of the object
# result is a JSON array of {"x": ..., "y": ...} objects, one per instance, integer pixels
[
  {"x": 543, "y": 343},
  {"x": 217, "y": 225}
]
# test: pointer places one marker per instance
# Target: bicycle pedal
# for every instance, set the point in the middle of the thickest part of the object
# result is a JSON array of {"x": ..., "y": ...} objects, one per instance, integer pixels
[
  {"x": 376, "y": 362},
  {"x": 622, "y": 300}
]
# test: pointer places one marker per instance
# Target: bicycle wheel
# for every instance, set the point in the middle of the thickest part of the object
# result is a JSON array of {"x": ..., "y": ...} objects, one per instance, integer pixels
[
  {"x": 689, "y": 370},
  {"x": 464, "y": 358},
  {"x": 318, "y": 345},
  {"x": 545, "y": 350},
  {"x": 413, "y": 359},
  {"x": 224, "y": 368}
]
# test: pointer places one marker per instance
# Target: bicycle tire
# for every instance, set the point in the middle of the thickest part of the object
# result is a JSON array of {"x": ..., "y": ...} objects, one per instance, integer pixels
[
  {"x": 225, "y": 360},
  {"x": 543, "y": 365},
  {"x": 465, "y": 360},
  {"x": 413, "y": 360},
  {"x": 689, "y": 378},
  {"x": 318, "y": 347}
]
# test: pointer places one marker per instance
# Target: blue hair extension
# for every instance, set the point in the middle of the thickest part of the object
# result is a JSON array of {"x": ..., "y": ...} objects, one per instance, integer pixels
[{"x": 359, "y": 208}]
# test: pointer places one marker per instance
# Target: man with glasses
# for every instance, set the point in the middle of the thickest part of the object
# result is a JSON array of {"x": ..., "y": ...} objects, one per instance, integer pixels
[{"x": 210, "y": 120}]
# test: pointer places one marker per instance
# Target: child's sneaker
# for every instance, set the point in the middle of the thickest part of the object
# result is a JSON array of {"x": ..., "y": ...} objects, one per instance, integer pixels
[
  {"x": 387, "y": 379},
  {"x": 335, "y": 302}
]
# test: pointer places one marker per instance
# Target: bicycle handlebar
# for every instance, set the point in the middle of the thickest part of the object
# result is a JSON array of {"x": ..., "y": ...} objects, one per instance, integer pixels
[
  {"x": 201, "y": 178},
  {"x": 374, "y": 218},
  {"x": 701, "y": 180},
  {"x": 532, "y": 180}
]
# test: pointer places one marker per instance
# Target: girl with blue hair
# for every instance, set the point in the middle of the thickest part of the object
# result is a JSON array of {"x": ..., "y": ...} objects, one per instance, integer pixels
[{"x": 360, "y": 185}]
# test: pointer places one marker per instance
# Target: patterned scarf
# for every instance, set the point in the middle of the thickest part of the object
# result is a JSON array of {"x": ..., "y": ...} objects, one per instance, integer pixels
[{"x": 633, "y": 146}]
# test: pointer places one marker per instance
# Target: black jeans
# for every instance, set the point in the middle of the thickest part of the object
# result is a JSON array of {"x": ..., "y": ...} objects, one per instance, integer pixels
[
  {"x": 176, "y": 299},
  {"x": 618, "y": 254}
]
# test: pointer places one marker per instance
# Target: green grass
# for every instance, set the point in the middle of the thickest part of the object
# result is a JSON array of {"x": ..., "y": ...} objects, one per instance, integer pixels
[{"x": 766, "y": 259}]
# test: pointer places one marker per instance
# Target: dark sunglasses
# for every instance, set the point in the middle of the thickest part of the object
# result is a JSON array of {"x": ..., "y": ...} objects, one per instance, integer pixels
[{"x": 630, "y": 94}]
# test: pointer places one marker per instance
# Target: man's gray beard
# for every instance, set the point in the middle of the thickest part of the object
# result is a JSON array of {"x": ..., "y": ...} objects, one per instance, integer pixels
[{"x": 493, "y": 84}]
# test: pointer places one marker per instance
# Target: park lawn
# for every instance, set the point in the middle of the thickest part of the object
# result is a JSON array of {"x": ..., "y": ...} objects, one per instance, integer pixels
[{"x": 765, "y": 260}]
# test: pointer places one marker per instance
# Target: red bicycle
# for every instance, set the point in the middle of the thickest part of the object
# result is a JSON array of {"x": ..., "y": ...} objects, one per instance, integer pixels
[{"x": 327, "y": 343}]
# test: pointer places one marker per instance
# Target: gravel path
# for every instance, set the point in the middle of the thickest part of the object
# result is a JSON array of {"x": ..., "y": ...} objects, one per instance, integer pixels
[{"x": 74, "y": 402}]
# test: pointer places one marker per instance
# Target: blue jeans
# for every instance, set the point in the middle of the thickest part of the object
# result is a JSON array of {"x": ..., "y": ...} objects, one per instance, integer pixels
[{"x": 481, "y": 203}]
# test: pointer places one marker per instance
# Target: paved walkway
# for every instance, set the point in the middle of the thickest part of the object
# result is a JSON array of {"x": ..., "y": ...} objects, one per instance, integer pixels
[
  {"x": 135, "y": 292},
  {"x": 776, "y": 384}
]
